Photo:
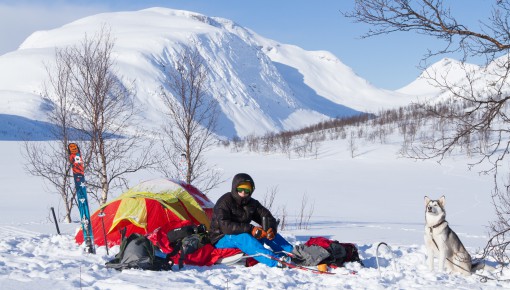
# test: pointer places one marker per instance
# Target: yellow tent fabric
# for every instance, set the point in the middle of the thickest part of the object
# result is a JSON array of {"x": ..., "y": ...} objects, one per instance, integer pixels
[{"x": 133, "y": 210}]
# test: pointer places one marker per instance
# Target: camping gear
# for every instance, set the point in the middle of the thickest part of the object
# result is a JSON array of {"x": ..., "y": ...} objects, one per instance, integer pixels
[
  {"x": 187, "y": 240},
  {"x": 291, "y": 265},
  {"x": 377, "y": 257},
  {"x": 322, "y": 267},
  {"x": 138, "y": 252},
  {"x": 147, "y": 207},
  {"x": 176, "y": 235},
  {"x": 339, "y": 253},
  {"x": 309, "y": 255},
  {"x": 81, "y": 196},
  {"x": 194, "y": 251},
  {"x": 55, "y": 220}
]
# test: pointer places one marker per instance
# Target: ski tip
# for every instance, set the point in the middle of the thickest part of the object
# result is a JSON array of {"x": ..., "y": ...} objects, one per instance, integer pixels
[{"x": 73, "y": 148}]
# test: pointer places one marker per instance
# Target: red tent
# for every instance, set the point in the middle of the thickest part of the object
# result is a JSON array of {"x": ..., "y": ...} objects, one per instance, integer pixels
[
  {"x": 153, "y": 208},
  {"x": 147, "y": 207}
]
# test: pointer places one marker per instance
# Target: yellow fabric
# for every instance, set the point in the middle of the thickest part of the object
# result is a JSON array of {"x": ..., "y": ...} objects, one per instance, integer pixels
[
  {"x": 132, "y": 209},
  {"x": 168, "y": 197},
  {"x": 245, "y": 185},
  {"x": 169, "y": 200},
  {"x": 192, "y": 206}
]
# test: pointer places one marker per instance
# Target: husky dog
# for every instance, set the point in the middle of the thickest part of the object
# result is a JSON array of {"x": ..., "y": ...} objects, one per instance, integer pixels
[{"x": 441, "y": 241}]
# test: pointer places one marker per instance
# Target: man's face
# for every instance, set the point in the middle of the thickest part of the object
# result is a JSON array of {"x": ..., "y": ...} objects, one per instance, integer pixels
[{"x": 243, "y": 192}]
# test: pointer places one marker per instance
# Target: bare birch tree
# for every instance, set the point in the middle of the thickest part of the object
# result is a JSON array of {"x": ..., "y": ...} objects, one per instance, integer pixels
[
  {"x": 192, "y": 118},
  {"x": 106, "y": 115},
  {"x": 90, "y": 98},
  {"x": 49, "y": 159},
  {"x": 353, "y": 147}
]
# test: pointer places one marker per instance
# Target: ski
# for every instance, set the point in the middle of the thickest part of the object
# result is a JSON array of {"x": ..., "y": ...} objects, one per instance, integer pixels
[
  {"x": 294, "y": 266},
  {"x": 81, "y": 195}
]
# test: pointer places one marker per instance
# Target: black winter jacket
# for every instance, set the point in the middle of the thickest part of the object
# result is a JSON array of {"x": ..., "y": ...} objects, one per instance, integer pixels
[{"x": 233, "y": 214}]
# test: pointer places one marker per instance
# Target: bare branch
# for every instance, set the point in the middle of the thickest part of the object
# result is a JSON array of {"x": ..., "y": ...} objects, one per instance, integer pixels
[{"x": 193, "y": 118}]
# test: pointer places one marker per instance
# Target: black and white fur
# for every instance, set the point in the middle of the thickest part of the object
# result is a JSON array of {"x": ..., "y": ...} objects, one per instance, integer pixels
[{"x": 442, "y": 242}]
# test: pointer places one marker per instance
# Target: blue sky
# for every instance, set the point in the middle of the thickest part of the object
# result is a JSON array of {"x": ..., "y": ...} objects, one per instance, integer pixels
[{"x": 388, "y": 61}]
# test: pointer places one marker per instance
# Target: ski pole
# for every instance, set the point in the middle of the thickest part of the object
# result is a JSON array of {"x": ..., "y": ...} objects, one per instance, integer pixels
[
  {"x": 101, "y": 215},
  {"x": 55, "y": 219}
]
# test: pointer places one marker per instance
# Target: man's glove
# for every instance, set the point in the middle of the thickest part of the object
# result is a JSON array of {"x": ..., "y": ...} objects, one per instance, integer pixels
[
  {"x": 270, "y": 234},
  {"x": 258, "y": 233}
]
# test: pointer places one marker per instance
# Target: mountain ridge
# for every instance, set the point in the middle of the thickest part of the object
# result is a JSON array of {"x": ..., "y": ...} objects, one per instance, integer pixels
[{"x": 261, "y": 85}]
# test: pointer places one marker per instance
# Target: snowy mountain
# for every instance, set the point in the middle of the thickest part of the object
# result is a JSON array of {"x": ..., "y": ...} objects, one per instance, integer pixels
[
  {"x": 446, "y": 69},
  {"x": 261, "y": 85}
]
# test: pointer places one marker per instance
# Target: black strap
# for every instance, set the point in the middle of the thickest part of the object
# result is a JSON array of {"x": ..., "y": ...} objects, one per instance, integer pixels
[
  {"x": 123, "y": 233},
  {"x": 175, "y": 249}
]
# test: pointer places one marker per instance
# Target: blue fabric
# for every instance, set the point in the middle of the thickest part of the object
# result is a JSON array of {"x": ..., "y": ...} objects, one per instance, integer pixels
[{"x": 251, "y": 246}]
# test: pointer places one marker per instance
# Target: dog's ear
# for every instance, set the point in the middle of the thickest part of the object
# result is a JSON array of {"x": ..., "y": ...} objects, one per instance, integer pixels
[
  {"x": 442, "y": 201},
  {"x": 427, "y": 200}
]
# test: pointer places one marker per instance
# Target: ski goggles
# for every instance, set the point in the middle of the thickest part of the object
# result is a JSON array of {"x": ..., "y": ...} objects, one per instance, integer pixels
[{"x": 245, "y": 190}]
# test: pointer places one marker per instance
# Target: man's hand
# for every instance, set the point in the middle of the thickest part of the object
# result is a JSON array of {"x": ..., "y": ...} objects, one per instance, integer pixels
[
  {"x": 258, "y": 233},
  {"x": 270, "y": 234}
]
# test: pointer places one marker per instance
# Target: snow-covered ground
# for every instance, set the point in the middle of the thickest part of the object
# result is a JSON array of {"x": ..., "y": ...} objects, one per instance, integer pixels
[{"x": 375, "y": 197}]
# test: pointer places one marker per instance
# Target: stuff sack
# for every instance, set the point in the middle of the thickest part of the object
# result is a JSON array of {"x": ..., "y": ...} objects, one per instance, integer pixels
[
  {"x": 138, "y": 252},
  {"x": 309, "y": 255},
  {"x": 339, "y": 253},
  {"x": 187, "y": 240}
]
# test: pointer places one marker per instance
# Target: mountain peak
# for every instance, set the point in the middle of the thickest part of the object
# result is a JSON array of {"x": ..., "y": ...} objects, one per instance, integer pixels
[
  {"x": 447, "y": 69},
  {"x": 261, "y": 85}
]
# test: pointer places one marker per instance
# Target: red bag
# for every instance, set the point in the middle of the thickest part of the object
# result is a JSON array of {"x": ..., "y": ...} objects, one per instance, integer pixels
[{"x": 339, "y": 253}]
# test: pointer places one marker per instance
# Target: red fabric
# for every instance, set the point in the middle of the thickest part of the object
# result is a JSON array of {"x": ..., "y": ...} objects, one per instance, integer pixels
[
  {"x": 250, "y": 262},
  {"x": 319, "y": 241},
  {"x": 157, "y": 216},
  {"x": 350, "y": 248},
  {"x": 199, "y": 197},
  {"x": 208, "y": 255},
  {"x": 159, "y": 222},
  {"x": 159, "y": 236},
  {"x": 114, "y": 238}
]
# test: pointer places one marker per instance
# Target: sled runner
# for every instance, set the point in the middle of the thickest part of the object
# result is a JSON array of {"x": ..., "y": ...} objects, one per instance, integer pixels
[
  {"x": 377, "y": 257},
  {"x": 234, "y": 259}
]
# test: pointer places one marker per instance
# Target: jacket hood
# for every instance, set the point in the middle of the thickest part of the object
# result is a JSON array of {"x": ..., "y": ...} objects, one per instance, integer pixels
[
  {"x": 242, "y": 177},
  {"x": 238, "y": 178}
]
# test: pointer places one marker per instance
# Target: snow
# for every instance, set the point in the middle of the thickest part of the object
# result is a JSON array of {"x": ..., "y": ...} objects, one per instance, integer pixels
[
  {"x": 372, "y": 198},
  {"x": 450, "y": 70}
]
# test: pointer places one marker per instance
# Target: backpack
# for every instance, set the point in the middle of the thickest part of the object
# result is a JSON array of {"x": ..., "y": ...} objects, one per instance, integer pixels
[
  {"x": 138, "y": 252},
  {"x": 339, "y": 253},
  {"x": 187, "y": 240}
]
